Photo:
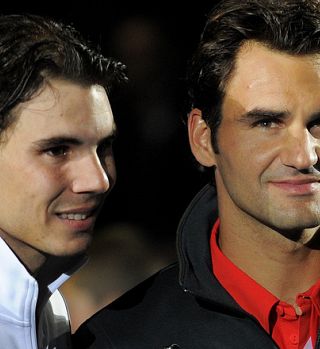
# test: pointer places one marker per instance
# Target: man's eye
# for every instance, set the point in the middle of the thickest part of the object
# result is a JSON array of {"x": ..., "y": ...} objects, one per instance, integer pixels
[
  {"x": 57, "y": 151},
  {"x": 267, "y": 123}
]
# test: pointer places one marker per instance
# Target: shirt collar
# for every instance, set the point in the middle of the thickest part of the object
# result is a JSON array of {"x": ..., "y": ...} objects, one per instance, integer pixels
[
  {"x": 251, "y": 296},
  {"x": 20, "y": 289}
]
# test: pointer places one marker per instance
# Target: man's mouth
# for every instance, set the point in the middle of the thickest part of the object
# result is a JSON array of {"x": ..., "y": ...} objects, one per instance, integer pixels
[
  {"x": 74, "y": 216},
  {"x": 78, "y": 219},
  {"x": 302, "y": 186},
  {"x": 78, "y": 213}
]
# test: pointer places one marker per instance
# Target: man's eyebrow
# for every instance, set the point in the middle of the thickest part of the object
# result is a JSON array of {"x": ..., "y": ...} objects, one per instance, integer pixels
[
  {"x": 56, "y": 141},
  {"x": 258, "y": 114},
  {"x": 62, "y": 140}
]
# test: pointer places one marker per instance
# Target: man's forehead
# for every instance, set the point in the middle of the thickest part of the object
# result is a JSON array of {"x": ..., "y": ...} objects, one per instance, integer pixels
[
  {"x": 268, "y": 79},
  {"x": 56, "y": 91},
  {"x": 65, "y": 109},
  {"x": 258, "y": 66}
]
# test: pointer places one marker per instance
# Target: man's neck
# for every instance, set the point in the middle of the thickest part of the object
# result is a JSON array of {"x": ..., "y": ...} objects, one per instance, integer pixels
[
  {"x": 31, "y": 258},
  {"x": 283, "y": 266},
  {"x": 43, "y": 267}
]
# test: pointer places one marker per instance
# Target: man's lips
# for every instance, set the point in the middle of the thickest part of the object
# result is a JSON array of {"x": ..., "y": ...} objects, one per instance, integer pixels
[
  {"x": 79, "y": 214},
  {"x": 301, "y": 186},
  {"x": 79, "y": 209}
]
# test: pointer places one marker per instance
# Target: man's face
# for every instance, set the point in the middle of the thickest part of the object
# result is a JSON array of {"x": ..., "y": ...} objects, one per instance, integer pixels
[
  {"x": 56, "y": 167},
  {"x": 269, "y": 139}
]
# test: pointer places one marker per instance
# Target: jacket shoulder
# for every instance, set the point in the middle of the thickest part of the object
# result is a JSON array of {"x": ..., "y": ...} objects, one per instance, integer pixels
[
  {"x": 162, "y": 284},
  {"x": 144, "y": 306},
  {"x": 159, "y": 314}
]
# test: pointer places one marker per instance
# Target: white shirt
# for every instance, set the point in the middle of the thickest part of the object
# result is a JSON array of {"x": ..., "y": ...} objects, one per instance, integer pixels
[{"x": 18, "y": 300}]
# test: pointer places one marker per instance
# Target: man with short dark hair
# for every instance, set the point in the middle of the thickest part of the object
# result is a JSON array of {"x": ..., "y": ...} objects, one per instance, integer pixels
[
  {"x": 56, "y": 166},
  {"x": 249, "y": 244}
]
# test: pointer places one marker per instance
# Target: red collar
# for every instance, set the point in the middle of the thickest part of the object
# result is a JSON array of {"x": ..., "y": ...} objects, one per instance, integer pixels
[
  {"x": 251, "y": 296},
  {"x": 274, "y": 315}
]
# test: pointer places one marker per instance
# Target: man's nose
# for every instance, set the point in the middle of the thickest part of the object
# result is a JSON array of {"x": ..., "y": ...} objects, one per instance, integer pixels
[
  {"x": 301, "y": 150},
  {"x": 90, "y": 176}
]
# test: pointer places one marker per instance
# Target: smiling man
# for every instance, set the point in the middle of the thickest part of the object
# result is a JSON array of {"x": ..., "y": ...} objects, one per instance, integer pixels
[
  {"x": 56, "y": 165},
  {"x": 249, "y": 243}
]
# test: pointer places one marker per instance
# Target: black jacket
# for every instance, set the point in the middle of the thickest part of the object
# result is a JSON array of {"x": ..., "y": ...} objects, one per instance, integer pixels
[{"x": 180, "y": 307}]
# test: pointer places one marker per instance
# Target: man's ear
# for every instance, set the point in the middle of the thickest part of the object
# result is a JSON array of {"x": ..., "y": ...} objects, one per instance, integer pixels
[{"x": 200, "y": 139}]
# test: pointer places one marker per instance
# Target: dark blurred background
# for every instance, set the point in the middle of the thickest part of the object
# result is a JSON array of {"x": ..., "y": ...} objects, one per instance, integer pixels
[{"x": 157, "y": 176}]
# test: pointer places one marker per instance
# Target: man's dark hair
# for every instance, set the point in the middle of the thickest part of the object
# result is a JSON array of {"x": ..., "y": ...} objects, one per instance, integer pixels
[
  {"x": 291, "y": 26},
  {"x": 34, "y": 49}
]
